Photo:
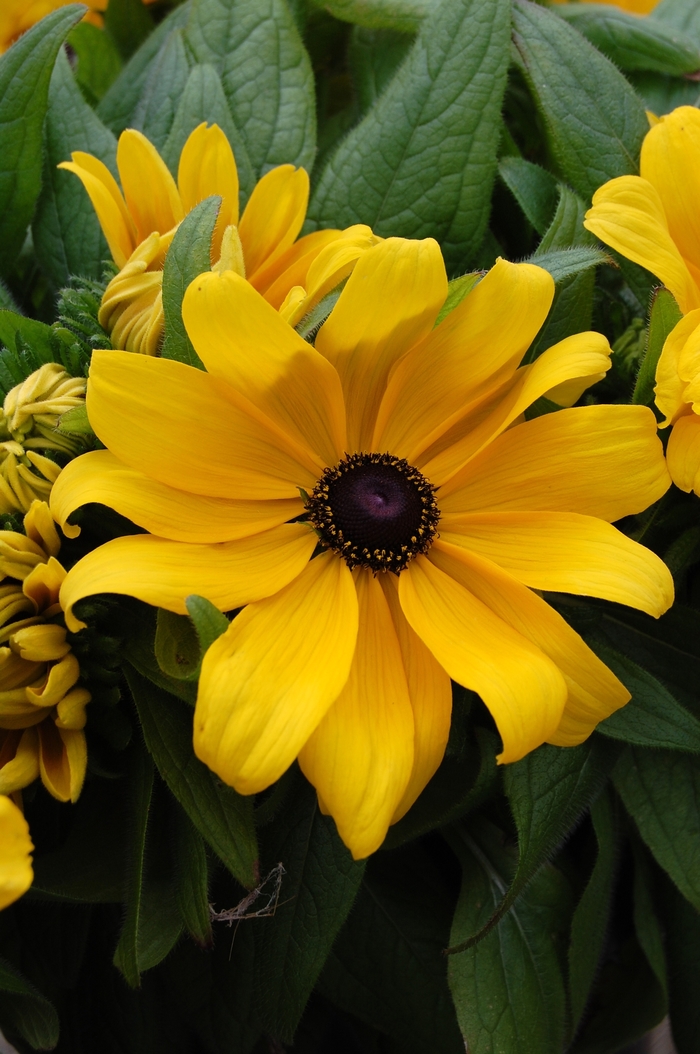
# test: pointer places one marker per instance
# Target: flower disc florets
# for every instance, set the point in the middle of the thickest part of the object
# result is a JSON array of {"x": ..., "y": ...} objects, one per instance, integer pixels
[{"x": 375, "y": 510}]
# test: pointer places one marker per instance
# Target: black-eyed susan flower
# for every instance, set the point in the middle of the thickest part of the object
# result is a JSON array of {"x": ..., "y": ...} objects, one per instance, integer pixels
[
  {"x": 16, "y": 874},
  {"x": 140, "y": 219},
  {"x": 42, "y": 707},
  {"x": 28, "y": 435},
  {"x": 383, "y": 515},
  {"x": 654, "y": 219}
]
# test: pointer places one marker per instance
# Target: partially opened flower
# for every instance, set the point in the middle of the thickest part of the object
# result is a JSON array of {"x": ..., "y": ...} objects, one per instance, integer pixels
[
  {"x": 654, "y": 219},
  {"x": 42, "y": 708},
  {"x": 140, "y": 219},
  {"x": 289, "y": 478},
  {"x": 16, "y": 875}
]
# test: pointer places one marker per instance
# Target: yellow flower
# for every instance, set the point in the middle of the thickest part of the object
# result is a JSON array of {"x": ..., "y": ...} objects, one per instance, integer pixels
[
  {"x": 654, "y": 219},
  {"x": 635, "y": 7},
  {"x": 17, "y": 16},
  {"x": 42, "y": 711},
  {"x": 331, "y": 661},
  {"x": 139, "y": 226},
  {"x": 16, "y": 875}
]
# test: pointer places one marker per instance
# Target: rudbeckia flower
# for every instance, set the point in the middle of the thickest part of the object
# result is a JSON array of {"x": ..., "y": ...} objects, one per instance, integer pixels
[
  {"x": 383, "y": 515},
  {"x": 654, "y": 219},
  {"x": 42, "y": 708},
  {"x": 16, "y": 875},
  {"x": 139, "y": 222},
  {"x": 634, "y": 7}
]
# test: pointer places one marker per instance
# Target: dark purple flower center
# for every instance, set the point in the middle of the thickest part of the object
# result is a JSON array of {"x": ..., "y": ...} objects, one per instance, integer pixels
[{"x": 374, "y": 510}]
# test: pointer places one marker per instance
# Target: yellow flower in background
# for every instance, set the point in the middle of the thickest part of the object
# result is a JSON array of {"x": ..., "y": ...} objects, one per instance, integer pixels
[
  {"x": 17, "y": 16},
  {"x": 42, "y": 710},
  {"x": 28, "y": 432},
  {"x": 654, "y": 219},
  {"x": 16, "y": 875},
  {"x": 634, "y": 7},
  {"x": 388, "y": 430},
  {"x": 139, "y": 222}
]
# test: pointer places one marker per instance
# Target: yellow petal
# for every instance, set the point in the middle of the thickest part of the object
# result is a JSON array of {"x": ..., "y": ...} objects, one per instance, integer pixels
[
  {"x": 100, "y": 477},
  {"x": 164, "y": 573},
  {"x": 390, "y": 302},
  {"x": 603, "y": 461},
  {"x": 198, "y": 435},
  {"x": 207, "y": 166},
  {"x": 16, "y": 875},
  {"x": 54, "y": 766},
  {"x": 430, "y": 693},
  {"x": 107, "y": 201},
  {"x": 477, "y": 346},
  {"x": 566, "y": 553},
  {"x": 42, "y": 585},
  {"x": 628, "y": 215},
  {"x": 360, "y": 756},
  {"x": 150, "y": 192},
  {"x": 40, "y": 527},
  {"x": 42, "y": 643},
  {"x": 70, "y": 712},
  {"x": 269, "y": 680},
  {"x": 75, "y": 749},
  {"x": 291, "y": 267},
  {"x": 583, "y": 355},
  {"x": 273, "y": 216},
  {"x": 593, "y": 690},
  {"x": 22, "y": 766},
  {"x": 61, "y": 678},
  {"x": 683, "y": 453},
  {"x": 522, "y": 688},
  {"x": 682, "y": 343},
  {"x": 670, "y": 161},
  {"x": 244, "y": 341}
]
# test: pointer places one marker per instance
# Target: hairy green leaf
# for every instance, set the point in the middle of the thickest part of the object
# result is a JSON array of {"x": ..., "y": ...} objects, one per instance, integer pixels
[
  {"x": 27, "y": 1010},
  {"x": 647, "y": 924},
  {"x": 165, "y": 83},
  {"x": 457, "y": 289},
  {"x": 535, "y": 190},
  {"x": 423, "y": 160},
  {"x": 633, "y": 43},
  {"x": 663, "y": 316},
  {"x": 508, "y": 990},
  {"x": 224, "y": 818},
  {"x": 99, "y": 62},
  {"x": 374, "y": 56},
  {"x": 25, "y": 74},
  {"x": 254, "y": 46},
  {"x": 66, "y": 230},
  {"x": 177, "y": 648},
  {"x": 681, "y": 16},
  {"x": 208, "y": 620},
  {"x": 564, "y": 264},
  {"x": 318, "y": 890},
  {"x": 404, "y": 16},
  {"x": 661, "y": 791},
  {"x": 682, "y": 925},
  {"x": 188, "y": 256},
  {"x": 192, "y": 878},
  {"x": 594, "y": 119},
  {"x": 129, "y": 23}
]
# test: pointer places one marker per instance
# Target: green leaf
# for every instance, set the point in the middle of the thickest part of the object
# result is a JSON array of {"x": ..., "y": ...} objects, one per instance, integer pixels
[
  {"x": 25, "y": 74},
  {"x": 126, "y": 956},
  {"x": 682, "y": 925},
  {"x": 28, "y": 1011},
  {"x": 652, "y": 718},
  {"x": 508, "y": 990},
  {"x": 254, "y": 46},
  {"x": 547, "y": 791},
  {"x": 563, "y": 264},
  {"x": 681, "y": 16},
  {"x": 663, "y": 317},
  {"x": 121, "y": 99},
  {"x": 75, "y": 422},
  {"x": 99, "y": 61},
  {"x": 633, "y": 43},
  {"x": 128, "y": 24},
  {"x": 318, "y": 890},
  {"x": 167, "y": 77},
  {"x": 208, "y": 620},
  {"x": 177, "y": 646},
  {"x": 661, "y": 791},
  {"x": 647, "y": 925},
  {"x": 188, "y": 257},
  {"x": 594, "y": 120},
  {"x": 423, "y": 160},
  {"x": 590, "y": 922},
  {"x": 66, "y": 230},
  {"x": 192, "y": 879},
  {"x": 535, "y": 190},
  {"x": 203, "y": 99},
  {"x": 224, "y": 818},
  {"x": 374, "y": 56},
  {"x": 457, "y": 289},
  {"x": 387, "y": 965},
  {"x": 404, "y": 16}
]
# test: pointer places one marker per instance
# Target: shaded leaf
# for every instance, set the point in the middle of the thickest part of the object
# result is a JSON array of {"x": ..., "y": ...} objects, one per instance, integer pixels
[
  {"x": 129, "y": 23},
  {"x": 404, "y": 16},
  {"x": 374, "y": 56},
  {"x": 188, "y": 257},
  {"x": 423, "y": 160},
  {"x": 162, "y": 91},
  {"x": 192, "y": 878},
  {"x": 177, "y": 646},
  {"x": 664, "y": 314},
  {"x": 534, "y": 189},
  {"x": 682, "y": 926},
  {"x": 27, "y": 1010},
  {"x": 99, "y": 61},
  {"x": 208, "y": 620}
]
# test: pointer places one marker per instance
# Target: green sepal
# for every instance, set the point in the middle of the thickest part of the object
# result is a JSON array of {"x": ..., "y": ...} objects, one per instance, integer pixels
[
  {"x": 663, "y": 317},
  {"x": 75, "y": 422},
  {"x": 25, "y": 74},
  {"x": 177, "y": 647}
]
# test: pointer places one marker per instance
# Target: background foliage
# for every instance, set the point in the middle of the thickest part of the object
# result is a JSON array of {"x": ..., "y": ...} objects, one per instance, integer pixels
[{"x": 569, "y": 881}]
